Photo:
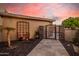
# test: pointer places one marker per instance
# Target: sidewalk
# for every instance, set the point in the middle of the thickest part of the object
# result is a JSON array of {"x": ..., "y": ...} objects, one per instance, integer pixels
[{"x": 48, "y": 47}]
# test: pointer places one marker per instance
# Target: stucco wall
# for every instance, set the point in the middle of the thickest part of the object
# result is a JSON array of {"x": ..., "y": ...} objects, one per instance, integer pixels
[
  {"x": 11, "y": 22},
  {"x": 69, "y": 34}
]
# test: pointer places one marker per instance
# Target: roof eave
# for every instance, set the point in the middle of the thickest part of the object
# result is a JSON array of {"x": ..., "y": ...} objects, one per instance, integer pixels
[{"x": 26, "y": 17}]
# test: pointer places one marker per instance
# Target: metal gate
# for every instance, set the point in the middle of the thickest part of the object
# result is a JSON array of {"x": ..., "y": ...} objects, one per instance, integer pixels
[
  {"x": 41, "y": 32},
  {"x": 61, "y": 33},
  {"x": 54, "y": 32},
  {"x": 22, "y": 30},
  {"x": 50, "y": 32}
]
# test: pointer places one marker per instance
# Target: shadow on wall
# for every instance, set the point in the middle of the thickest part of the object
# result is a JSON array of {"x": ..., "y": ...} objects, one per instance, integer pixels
[{"x": 69, "y": 34}]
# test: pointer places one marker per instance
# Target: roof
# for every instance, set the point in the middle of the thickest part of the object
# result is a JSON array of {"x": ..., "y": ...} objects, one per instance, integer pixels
[{"x": 25, "y": 17}]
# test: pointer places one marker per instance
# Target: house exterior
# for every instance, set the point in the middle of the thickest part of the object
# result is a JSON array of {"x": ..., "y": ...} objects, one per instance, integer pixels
[{"x": 21, "y": 23}]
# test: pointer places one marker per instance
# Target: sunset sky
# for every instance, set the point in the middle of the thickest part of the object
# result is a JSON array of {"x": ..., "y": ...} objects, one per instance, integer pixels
[{"x": 58, "y": 11}]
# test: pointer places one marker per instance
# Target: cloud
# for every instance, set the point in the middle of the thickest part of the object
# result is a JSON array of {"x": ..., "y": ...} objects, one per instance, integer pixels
[
  {"x": 49, "y": 10},
  {"x": 72, "y": 6}
]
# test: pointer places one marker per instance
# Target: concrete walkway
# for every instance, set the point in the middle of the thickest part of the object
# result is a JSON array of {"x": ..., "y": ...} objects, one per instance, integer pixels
[{"x": 48, "y": 47}]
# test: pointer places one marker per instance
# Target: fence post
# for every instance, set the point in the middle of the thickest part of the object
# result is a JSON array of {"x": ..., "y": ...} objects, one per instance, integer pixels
[{"x": 55, "y": 33}]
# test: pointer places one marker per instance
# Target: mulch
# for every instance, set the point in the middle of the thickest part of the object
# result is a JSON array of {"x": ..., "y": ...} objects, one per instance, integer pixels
[{"x": 23, "y": 48}]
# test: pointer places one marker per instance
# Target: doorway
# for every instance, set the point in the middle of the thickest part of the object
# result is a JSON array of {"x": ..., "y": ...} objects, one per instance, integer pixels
[{"x": 22, "y": 30}]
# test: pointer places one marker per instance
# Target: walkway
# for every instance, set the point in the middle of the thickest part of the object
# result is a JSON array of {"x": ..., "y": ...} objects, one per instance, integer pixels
[{"x": 48, "y": 47}]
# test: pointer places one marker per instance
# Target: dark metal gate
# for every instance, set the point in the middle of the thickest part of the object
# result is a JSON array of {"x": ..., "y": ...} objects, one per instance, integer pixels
[
  {"x": 41, "y": 32},
  {"x": 54, "y": 32},
  {"x": 50, "y": 32},
  {"x": 61, "y": 33},
  {"x": 22, "y": 30}
]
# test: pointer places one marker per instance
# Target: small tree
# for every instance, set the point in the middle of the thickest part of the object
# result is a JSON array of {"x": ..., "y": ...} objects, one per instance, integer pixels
[
  {"x": 71, "y": 22},
  {"x": 8, "y": 34}
]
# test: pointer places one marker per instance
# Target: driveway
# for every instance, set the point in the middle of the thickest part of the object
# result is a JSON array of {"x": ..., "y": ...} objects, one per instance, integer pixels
[{"x": 49, "y": 47}]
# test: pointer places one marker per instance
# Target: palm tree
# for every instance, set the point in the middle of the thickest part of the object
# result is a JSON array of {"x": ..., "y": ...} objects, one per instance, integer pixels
[{"x": 8, "y": 34}]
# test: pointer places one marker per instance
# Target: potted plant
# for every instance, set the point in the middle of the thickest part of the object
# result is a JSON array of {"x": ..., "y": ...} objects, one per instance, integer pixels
[{"x": 36, "y": 35}]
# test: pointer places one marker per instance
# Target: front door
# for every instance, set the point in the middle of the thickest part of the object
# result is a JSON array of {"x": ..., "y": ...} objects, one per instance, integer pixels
[{"x": 22, "y": 30}]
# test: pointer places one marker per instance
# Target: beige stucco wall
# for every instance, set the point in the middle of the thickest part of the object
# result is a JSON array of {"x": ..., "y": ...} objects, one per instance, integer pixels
[
  {"x": 11, "y": 22},
  {"x": 69, "y": 34}
]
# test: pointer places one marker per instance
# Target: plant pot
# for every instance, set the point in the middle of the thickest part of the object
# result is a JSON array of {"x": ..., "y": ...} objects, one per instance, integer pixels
[{"x": 76, "y": 48}]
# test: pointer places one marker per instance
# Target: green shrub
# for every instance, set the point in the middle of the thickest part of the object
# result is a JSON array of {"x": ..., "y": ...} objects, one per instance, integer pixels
[{"x": 71, "y": 22}]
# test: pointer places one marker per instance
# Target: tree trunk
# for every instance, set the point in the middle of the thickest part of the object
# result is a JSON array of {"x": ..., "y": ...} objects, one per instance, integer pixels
[{"x": 8, "y": 38}]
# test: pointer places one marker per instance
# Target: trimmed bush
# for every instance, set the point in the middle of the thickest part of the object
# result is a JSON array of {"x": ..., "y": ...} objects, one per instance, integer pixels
[{"x": 71, "y": 23}]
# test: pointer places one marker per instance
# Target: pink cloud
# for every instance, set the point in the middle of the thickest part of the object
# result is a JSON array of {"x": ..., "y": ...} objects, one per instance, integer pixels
[{"x": 42, "y": 9}]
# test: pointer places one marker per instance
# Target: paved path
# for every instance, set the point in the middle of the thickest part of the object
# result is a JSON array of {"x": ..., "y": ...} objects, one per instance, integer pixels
[{"x": 48, "y": 47}]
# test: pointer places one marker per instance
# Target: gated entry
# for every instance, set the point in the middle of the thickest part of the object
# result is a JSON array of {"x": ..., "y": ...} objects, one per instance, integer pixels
[
  {"x": 50, "y": 32},
  {"x": 54, "y": 32}
]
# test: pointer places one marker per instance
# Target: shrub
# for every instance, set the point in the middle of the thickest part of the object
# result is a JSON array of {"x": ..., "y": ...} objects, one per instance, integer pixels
[{"x": 71, "y": 22}]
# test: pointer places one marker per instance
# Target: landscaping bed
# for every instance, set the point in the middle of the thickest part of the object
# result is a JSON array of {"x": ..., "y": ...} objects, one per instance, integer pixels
[{"x": 22, "y": 49}]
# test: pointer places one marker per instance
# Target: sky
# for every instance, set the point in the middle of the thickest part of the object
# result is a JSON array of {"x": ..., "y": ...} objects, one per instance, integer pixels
[{"x": 56, "y": 11}]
